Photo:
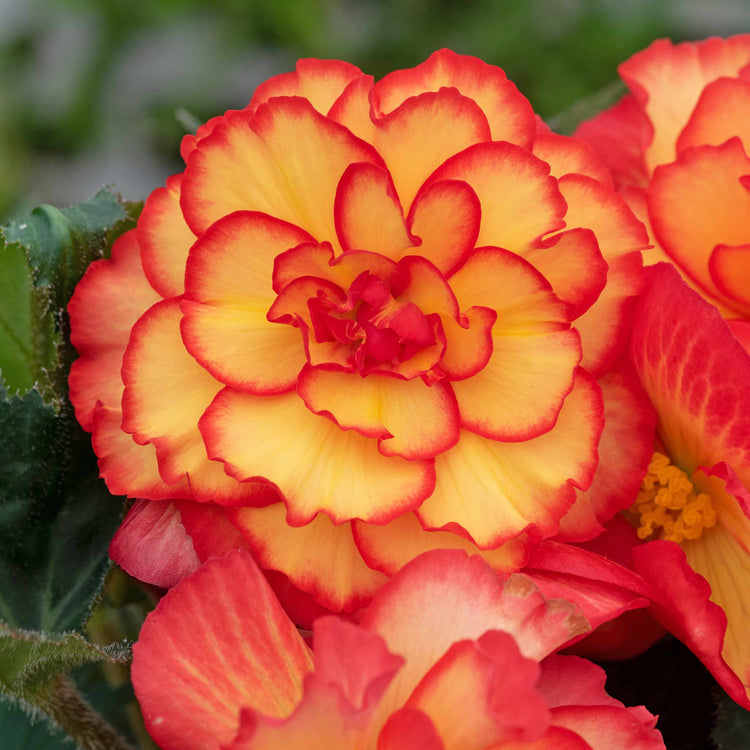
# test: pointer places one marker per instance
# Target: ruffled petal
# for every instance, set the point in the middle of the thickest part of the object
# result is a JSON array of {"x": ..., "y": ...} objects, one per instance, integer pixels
[
  {"x": 508, "y": 112},
  {"x": 192, "y": 682},
  {"x": 315, "y": 464},
  {"x": 156, "y": 363},
  {"x": 267, "y": 162},
  {"x": 697, "y": 203},
  {"x": 520, "y": 391},
  {"x": 730, "y": 271},
  {"x": 495, "y": 491},
  {"x": 567, "y": 155},
  {"x": 409, "y": 418},
  {"x": 153, "y": 546},
  {"x": 165, "y": 239},
  {"x": 110, "y": 297},
  {"x": 319, "y": 558},
  {"x": 520, "y": 201}
]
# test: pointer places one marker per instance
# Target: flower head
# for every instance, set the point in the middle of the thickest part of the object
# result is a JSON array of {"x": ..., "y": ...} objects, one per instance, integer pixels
[
  {"x": 678, "y": 148},
  {"x": 365, "y": 313}
]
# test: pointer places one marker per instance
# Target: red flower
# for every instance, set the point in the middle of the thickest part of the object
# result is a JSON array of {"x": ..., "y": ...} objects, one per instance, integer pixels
[
  {"x": 678, "y": 148},
  {"x": 367, "y": 320},
  {"x": 445, "y": 657}
]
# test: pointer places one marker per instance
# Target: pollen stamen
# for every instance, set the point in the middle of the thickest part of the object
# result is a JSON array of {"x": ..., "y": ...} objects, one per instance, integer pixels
[{"x": 668, "y": 506}]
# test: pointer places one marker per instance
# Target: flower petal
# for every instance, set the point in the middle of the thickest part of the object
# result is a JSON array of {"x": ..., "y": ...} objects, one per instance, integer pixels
[
  {"x": 165, "y": 239},
  {"x": 509, "y": 113},
  {"x": 211, "y": 531},
  {"x": 697, "y": 203},
  {"x": 156, "y": 363},
  {"x": 409, "y": 418},
  {"x": 319, "y": 558},
  {"x": 267, "y": 162},
  {"x": 317, "y": 466},
  {"x": 409, "y": 729},
  {"x": 193, "y": 681},
  {"x": 495, "y": 491},
  {"x": 153, "y": 546},
  {"x": 519, "y": 393},
  {"x": 730, "y": 271},
  {"x": 567, "y": 155},
  {"x": 110, "y": 297}
]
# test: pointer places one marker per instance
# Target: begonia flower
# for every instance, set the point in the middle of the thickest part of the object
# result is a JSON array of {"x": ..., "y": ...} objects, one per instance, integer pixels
[
  {"x": 445, "y": 656},
  {"x": 693, "y": 509},
  {"x": 368, "y": 319},
  {"x": 678, "y": 148}
]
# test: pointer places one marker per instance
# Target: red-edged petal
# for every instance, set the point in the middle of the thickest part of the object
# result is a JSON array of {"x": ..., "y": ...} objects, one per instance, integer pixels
[
  {"x": 318, "y": 81},
  {"x": 211, "y": 531},
  {"x": 481, "y": 692},
  {"x": 723, "y": 111},
  {"x": 602, "y": 588},
  {"x": 467, "y": 349},
  {"x": 667, "y": 81},
  {"x": 620, "y": 135},
  {"x": 409, "y": 729},
  {"x": 444, "y": 597},
  {"x": 520, "y": 391},
  {"x": 110, "y": 297},
  {"x": 508, "y": 112},
  {"x": 697, "y": 203},
  {"x": 156, "y": 363},
  {"x": 315, "y": 464},
  {"x": 409, "y": 418},
  {"x": 446, "y": 218},
  {"x": 520, "y": 200},
  {"x": 320, "y": 559},
  {"x": 388, "y": 547},
  {"x": 495, "y": 491},
  {"x": 625, "y": 450},
  {"x": 682, "y": 604},
  {"x": 285, "y": 160},
  {"x": 567, "y": 155},
  {"x": 695, "y": 372},
  {"x": 730, "y": 271},
  {"x": 152, "y": 544},
  {"x": 193, "y": 681},
  {"x": 165, "y": 239},
  {"x": 368, "y": 213},
  {"x": 229, "y": 290}
]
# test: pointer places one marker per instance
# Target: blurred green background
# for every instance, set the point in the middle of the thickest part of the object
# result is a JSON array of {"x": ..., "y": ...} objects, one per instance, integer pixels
[{"x": 89, "y": 88}]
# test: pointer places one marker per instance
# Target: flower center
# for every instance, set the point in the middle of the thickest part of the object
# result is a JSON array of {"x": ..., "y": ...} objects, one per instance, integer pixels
[{"x": 668, "y": 507}]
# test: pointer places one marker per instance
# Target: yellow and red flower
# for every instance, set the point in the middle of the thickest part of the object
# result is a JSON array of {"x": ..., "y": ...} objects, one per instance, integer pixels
[
  {"x": 446, "y": 656},
  {"x": 678, "y": 148},
  {"x": 367, "y": 320}
]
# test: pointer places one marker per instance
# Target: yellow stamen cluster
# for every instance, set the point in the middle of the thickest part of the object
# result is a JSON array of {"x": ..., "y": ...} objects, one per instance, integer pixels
[{"x": 668, "y": 506}]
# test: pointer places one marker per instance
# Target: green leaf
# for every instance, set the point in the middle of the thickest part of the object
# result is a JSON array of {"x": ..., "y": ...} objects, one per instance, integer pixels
[
  {"x": 732, "y": 730},
  {"x": 56, "y": 517}
]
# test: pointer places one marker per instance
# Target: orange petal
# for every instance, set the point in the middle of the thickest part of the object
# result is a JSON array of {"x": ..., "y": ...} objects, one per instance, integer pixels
[
  {"x": 495, "y": 491},
  {"x": 667, "y": 81},
  {"x": 317, "y": 466},
  {"x": 353, "y": 109},
  {"x": 153, "y": 546},
  {"x": 110, "y": 297},
  {"x": 621, "y": 237},
  {"x": 723, "y": 111},
  {"x": 697, "y": 203},
  {"x": 320, "y": 558},
  {"x": 390, "y": 546},
  {"x": 567, "y": 155},
  {"x": 156, "y": 363},
  {"x": 165, "y": 239},
  {"x": 192, "y": 682},
  {"x": 520, "y": 391},
  {"x": 409, "y": 418},
  {"x": 481, "y": 692},
  {"x": 318, "y": 81},
  {"x": 730, "y": 271},
  {"x": 368, "y": 213},
  {"x": 520, "y": 201},
  {"x": 285, "y": 160},
  {"x": 508, "y": 112},
  {"x": 625, "y": 450},
  {"x": 467, "y": 350},
  {"x": 446, "y": 217},
  {"x": 420, "y": 134}
]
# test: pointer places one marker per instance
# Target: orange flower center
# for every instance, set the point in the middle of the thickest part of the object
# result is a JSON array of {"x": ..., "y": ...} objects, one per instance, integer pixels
[{"x": 668, "y": 507}]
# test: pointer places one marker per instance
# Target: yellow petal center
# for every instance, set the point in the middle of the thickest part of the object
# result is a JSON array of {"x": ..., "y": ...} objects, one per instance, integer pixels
[{"x": 668, "y": 507}]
